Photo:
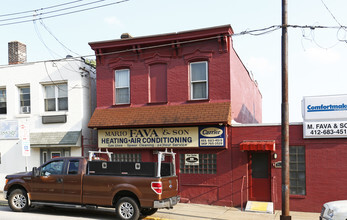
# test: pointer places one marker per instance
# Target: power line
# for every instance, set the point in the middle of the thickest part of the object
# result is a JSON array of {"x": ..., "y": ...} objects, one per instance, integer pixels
[
  {"x": 331, "y": 13},
  {"x": 61, "y": 14},
  {"x": 24, "y": 12}
]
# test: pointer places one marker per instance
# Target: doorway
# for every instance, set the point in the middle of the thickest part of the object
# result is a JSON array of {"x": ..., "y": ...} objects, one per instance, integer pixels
[{"x": 259, "y": 176}]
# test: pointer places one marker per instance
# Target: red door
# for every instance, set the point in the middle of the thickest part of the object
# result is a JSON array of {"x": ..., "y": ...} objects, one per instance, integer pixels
[{"x": 260, "y": 181}]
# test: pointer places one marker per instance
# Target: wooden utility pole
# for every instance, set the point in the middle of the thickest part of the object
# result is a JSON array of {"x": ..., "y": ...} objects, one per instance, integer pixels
[{"x": 285, "y": 117}]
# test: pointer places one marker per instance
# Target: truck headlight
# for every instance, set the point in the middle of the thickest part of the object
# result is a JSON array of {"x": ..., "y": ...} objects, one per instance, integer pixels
[{"x": 330, "y": 213}]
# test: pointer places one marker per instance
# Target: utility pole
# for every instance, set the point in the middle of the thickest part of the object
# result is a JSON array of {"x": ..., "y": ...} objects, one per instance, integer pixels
[{"x": 285, "y": 117}]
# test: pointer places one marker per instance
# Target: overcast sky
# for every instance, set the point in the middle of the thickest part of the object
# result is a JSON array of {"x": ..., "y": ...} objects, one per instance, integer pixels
[{"x": 317, "y": 57}]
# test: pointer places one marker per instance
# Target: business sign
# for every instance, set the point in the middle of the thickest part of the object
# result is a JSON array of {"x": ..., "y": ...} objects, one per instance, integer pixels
[
  {"x": 25, "y": 148},
  {"x": 9, "y": 129},
  {"x": 325, "y": 116},
  {"x": 191, "y": 159},
  {"x": 211, "y": 136},
  {"x": 324, "y": 107},
  {"x": 162, "y": 137},
  {"x": 325, "y": 129}
]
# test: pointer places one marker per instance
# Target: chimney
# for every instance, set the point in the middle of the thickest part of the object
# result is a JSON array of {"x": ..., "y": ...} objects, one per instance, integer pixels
[
  {"x": 17, "y": 52},
  {"x": 125, "y": 36}
]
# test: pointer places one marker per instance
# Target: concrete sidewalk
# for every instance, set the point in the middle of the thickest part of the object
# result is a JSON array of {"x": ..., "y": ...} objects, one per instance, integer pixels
[{"x": 189, "y": 211}]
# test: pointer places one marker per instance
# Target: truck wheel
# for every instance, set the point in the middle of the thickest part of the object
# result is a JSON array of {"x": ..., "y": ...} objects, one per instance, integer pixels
[
  {"x": 148, "y": 211},
  {"x": 127, "y": 209},
  {"x": 18, "y": 201}
]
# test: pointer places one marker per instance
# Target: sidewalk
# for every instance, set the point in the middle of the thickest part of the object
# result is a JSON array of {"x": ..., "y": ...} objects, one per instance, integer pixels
[{"x": 189, "y": 211}]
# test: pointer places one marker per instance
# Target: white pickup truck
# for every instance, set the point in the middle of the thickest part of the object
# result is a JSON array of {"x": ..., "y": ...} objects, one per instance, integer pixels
[{"x": 336, "y": 210}]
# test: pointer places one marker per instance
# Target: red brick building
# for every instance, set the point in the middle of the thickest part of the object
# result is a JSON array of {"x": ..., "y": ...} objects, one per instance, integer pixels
[{"x": 190, "y": 92}]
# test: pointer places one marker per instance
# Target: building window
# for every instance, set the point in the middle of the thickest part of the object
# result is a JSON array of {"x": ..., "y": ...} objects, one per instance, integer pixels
[
  {"x": 198, "y": 80},
  {"x": 297, "y": 170},
  {"x": 56, "y": 97},
  {"x": 157, "y": 83},
  {"x": 122, "y": 86},
  {"x": 207, "y": 165},
  {"x": 3, "y": 103},
  {"x": 24, "y": 100},
  {"x": 126, "y": 157}
]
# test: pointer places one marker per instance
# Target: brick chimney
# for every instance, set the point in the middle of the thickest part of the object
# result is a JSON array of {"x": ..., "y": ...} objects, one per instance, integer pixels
[{"x": 17, "y": 52}]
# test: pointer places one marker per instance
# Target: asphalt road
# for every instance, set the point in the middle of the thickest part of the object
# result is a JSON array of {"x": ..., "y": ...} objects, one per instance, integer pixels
[{"x": 54, "y": 213}]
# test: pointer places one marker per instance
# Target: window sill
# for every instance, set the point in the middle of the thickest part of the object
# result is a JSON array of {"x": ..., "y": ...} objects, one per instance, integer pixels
[
  {"x": 3, "y": 116},
  {"x": 53, "y": 113},
  {"x": 157, "y": 103},
  {"x": 121, "y": 105},
  {"x": 297, "y": 196},
  {"x": 198, "y": 100}
]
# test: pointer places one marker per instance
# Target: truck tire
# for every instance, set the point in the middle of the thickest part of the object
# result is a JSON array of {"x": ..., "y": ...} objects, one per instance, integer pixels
[
  {"x": 148, "y": 211},
  {"x": 127, "y": 209},
  {"x": 18, "y": 201}
]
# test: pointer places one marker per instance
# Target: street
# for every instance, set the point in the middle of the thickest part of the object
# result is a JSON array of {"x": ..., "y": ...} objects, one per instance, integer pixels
[{"x": 54, "y": 213}]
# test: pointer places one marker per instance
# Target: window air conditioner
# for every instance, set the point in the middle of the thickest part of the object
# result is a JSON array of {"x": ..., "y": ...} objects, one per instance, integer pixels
[{"x": 25, "y": 109}]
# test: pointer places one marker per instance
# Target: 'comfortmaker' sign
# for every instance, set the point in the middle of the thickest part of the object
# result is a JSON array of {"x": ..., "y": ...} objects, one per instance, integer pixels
[
  {"x": 163, "y": 137},
  {"x": 325, "y": 116},
  {"x": 324, "y": 107}
]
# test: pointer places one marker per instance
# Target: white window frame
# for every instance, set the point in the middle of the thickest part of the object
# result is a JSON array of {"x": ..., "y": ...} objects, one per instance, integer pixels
[
  {"x": 198, "y": 81},
  {"x": 24, "y": 109},
  {"x": 56, "y": 97},
  {"x": 124, "y": 87},
  {"x": 1, "y": 88}
]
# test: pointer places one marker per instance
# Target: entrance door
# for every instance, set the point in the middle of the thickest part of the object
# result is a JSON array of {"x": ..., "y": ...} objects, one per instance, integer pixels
[{"x": 260, "y": 181}]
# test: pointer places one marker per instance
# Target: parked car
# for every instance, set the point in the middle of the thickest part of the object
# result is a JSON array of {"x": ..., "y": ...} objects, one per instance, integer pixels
[
  {"x": 335, "y": 210},
  {"x": 132, "y": 188}
]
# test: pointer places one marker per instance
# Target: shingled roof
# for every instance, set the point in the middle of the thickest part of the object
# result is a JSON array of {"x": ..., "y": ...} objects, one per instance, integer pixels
[{"x": 162, "y": 115}]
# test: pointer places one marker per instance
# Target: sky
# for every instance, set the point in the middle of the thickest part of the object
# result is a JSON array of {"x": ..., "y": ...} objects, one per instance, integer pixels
[{"x": 316, "y": 56}]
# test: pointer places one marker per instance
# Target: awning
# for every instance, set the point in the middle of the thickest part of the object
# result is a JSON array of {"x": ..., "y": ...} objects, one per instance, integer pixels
[
  {"x": 162, "y": 115},
  {"x": 56, "y": 139},
  {"x": 258, "y": 145}
]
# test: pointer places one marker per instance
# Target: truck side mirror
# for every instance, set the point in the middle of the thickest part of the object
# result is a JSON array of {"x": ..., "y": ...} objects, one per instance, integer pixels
[{"x": 36, "y": 172}]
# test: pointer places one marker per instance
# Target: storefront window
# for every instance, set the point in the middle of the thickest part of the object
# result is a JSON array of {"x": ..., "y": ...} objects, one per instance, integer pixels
[
  {"x": 126, "y": 157},
  {"x": 207, "y": 164},
  {"x": 297, "y": 170}
]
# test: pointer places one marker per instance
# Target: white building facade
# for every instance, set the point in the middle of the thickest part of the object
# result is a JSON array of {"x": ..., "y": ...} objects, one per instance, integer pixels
[{"x": 44, "y": 111}]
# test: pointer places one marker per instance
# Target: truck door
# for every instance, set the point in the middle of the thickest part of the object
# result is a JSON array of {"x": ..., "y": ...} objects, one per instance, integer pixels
[
  {"x": 73, "y": 182},
  {"x": 49, "y": 185}
]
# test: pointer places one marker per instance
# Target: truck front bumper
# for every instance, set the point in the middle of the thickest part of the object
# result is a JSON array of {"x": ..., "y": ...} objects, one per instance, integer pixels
[{"x": 166, "y": 203}]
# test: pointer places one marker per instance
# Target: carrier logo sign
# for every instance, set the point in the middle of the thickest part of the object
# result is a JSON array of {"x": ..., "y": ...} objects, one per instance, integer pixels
[
  {"x": 211, "y": 132},
  {"x": 212, "y": 136}
]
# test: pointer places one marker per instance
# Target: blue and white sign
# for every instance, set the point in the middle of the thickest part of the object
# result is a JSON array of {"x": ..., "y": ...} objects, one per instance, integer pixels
[
  {"x": 9, "y": 129},
  {"x": 324, "y": 107},
  {"x": 212, "y": 136},
  {"x": 325, "y": 116}
]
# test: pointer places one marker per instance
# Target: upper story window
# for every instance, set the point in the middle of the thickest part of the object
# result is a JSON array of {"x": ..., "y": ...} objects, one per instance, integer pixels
[
  {"x": 198, "y": 80},
  {"x": 122, "y": 86},
  {"x": 24, "y": 99},
  {"x": 56, "y": 97},
  {"x": 3, "y": 103}
]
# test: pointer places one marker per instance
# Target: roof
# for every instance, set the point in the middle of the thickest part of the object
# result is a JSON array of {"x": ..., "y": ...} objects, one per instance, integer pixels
[
  {"x": 162, "y": 115},
  {"x": 168, "y": 37},
  {"x": 55, "y": 138}
]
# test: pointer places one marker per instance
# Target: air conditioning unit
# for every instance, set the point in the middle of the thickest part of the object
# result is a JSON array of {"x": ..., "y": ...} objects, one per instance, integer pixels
[{"x": 25, "y": 109}]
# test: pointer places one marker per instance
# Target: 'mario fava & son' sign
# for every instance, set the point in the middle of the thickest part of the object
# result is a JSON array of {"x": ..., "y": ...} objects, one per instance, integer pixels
[{"x": 162, "y": 137}]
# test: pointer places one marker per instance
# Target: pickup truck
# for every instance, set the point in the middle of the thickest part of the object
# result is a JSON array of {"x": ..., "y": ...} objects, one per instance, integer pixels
[{"x": 134, "y": 189}]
